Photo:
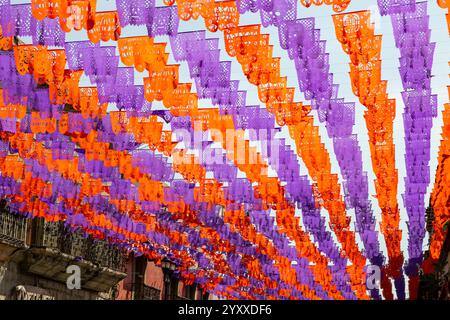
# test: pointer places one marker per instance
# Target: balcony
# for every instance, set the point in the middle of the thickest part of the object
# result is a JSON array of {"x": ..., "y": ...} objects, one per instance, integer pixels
[
  {"x": 13, "y": 232},
  {"x": 54, "y": 248},
  {"x": 57, "y": 236}
]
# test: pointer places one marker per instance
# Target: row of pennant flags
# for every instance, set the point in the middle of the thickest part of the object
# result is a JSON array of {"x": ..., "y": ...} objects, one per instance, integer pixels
[{"x": 230, "y": 226}]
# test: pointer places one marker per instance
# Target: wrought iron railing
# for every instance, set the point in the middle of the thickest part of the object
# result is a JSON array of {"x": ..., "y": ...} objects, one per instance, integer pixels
[
  {"x": 150, "y": 293},
  {"x": 13, "y": 228},
  {"x": 57, "y": 236},
  {"x": 143, "y": 292}
]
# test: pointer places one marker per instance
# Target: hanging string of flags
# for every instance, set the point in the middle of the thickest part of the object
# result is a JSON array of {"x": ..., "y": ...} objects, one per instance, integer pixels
[{"x": 217, "y": 189}]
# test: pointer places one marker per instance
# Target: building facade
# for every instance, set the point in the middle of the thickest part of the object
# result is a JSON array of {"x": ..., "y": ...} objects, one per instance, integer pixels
[{"x": 435, "y": 280}]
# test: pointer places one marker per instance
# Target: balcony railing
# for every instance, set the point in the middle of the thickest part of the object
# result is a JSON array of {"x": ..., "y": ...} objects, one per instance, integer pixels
[
  {"x": 57, "y": 236},
  {"x": 13, "y": 228},
  {"x": 150, "y": 293}
]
